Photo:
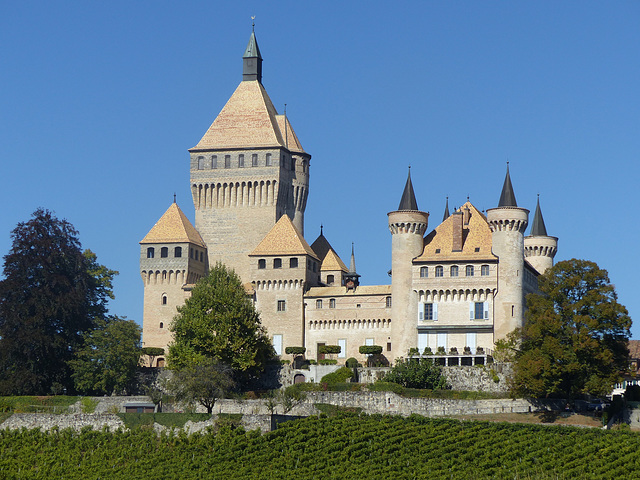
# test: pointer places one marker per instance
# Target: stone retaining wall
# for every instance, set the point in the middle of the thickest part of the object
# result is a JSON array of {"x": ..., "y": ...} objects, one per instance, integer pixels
[{"x": 76, "y": 421}]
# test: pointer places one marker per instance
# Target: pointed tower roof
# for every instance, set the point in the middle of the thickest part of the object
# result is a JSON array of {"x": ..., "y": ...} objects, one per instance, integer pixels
[
  {"x": 173, "y": 227},
  {"x": 284, "y": 239},
  {"x": 321, "y": 246},
  {"x": 252, "y": 61},
  {"x": 333, "y": 262},
  {"x": 352, "y": 265},
  {"x": 446, "y": 211},
  {"x": 538, "y": 228},
  {"x": 408, "y": 200},
  {"x": 507, "y": 197},
  {"x": 252, "y": 50}
]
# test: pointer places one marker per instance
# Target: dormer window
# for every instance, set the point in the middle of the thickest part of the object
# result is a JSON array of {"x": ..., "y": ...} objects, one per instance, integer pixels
[{"x": 330, "y": 279}]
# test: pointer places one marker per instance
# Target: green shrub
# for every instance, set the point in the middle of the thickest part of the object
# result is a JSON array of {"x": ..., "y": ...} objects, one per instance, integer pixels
[
  {"x": 413, "y": 351},
  {"x": 329, "y": 349},
  {"x": 370, "y": 349},
  {"x": 417, "y": 373},
  {"x": 339, "y": 376},
  {"x": 441, "y": 351},
  {"x": 427, "y": 351},
  {"x": 88, "y": 405},
  {"x": 285, "y": 362},
  {"x": 295, "y": 350},
  {"x": 351, "y": 362},
  {"x": 382, "y": 386},
  {"x": 328, "y": 361}
]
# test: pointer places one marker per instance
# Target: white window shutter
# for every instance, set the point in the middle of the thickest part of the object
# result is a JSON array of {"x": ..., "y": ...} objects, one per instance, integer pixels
[
  {"x": 471, "y": 312},
  {"x": 435, "y": 311},
  {"x": 420, "y": 311},
  {"x": 486, "y": 310}
]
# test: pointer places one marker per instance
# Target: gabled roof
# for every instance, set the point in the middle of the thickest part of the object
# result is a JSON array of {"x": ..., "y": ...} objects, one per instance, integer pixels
[
  {"x": 538, "y": 228},
  {"x": 507, "y": 196},
  {"x": 173, "y": 227},
  {"x": 284, "y": 239},
  {"x": 475, "y": 235},
  {"x": 332, "y": 262},
  {"x": 248, "y": 120}
]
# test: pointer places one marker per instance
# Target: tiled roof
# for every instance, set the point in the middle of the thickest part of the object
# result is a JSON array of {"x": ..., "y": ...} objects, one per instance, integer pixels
[
  {"x": 173, "y": 227},
  {"x": 333, "y": 262},
  {"x": 290, "y": 138},
  {"x": 248, "y": 120},
  {"x": 342, "y": 291},
  {"x": 284, "y": 239},
  {"x": 476, "y": 235},
  {"x": 321, "y": 246}
]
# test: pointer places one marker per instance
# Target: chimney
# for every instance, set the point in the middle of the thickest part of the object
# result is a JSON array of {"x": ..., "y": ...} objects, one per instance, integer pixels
[
  {"x": 457, "y": 231},
  {"x": 467, "y": 215}
]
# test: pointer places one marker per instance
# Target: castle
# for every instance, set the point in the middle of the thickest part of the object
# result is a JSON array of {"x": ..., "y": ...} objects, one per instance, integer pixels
[{"x": 461, "y": 285}]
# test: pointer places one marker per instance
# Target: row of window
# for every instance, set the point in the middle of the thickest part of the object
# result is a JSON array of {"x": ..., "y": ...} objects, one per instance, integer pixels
[
  {"x": 225, "y": 162},
  {"x": 454, "y": 271},
  {"x": 293, "y": 263},
  {"x": 342, "y": 343},
  {"x": 332, "y": 303},
  {"x": 177, "y": 253},
  {"x": 477, "y": 311}
]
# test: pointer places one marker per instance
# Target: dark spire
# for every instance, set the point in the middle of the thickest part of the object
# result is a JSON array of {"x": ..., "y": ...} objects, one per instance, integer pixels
[
  {"x": 352, "y": 265},
  {"x": 174, "y": 198},
  {"x": 537, "y": 227},
  {"x": 507, "y": 197},
  {"x": 252, "y": 61},
  {"x": 321, "y": 230},
  {"x": 446, "y": 211},
  {"x": 408, "y": 201}
]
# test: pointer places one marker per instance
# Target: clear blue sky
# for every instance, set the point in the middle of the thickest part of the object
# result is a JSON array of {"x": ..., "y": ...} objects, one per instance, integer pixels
[{"x": 99, "y": 102}]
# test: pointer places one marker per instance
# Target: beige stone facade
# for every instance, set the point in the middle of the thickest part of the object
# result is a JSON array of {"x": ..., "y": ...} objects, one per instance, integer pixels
[{"x": 460, "y": 284}]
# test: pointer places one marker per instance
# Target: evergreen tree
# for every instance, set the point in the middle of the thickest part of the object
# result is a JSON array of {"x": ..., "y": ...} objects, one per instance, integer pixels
[
  {"x": 219, "y": 322},
  {"x": 575, "y": 336},
  {"x": 50, "y": 296}
]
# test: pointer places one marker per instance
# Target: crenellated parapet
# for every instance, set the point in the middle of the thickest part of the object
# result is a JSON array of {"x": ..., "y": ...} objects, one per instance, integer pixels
[
  {"x": 414, "y": 222},
  {"x": 508, "y": 219}
]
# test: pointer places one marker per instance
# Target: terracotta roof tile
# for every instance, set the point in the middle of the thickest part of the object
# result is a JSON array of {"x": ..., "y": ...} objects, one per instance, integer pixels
[
  {"x": 284, "y": 239},
  {"x": 173, "y": 227},
  {"x": 477, "y": 235}
]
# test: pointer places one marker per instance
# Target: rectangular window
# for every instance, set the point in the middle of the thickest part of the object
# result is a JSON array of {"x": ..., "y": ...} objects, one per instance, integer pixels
[
  {"x": 262, "y": 264},
  {"x": 240, "y": 160},
  {"x": 277, "y": 344},
  {"x": 471, "y": 341},
  {"x": 200, "y": 163},
  {"x": 227, "y": 161},
  {"x": 269, "y": 162},
  {"x": 439, "y": 272},
  {"x": 282, "y": 305},
  {"x": 454, "y": 270},
  {"x": 442, "y": 340},
  {"x": 484, "y": 270},
  {"x": 422, "y": 341},
  {"x": 318, "y": 304},
  {"x": 388, "y": 346},
  {"x": 214, "y": 161},
  {"x": 388, "y": 302},
  {"x": 479, "y": 310},
  {"x": 277, "y": 263},
  {"x": 293, "y": 263},
  {"x": 254, "y": 160},
  {"x": 332, "y": 303},
  {"x": 424, "y": 272},
  {"x": 368, "y": 341},
  {"x": 469, "y": 271},
  {"x": 427, "y": 311},
  {"x": 342, "y": 343}
]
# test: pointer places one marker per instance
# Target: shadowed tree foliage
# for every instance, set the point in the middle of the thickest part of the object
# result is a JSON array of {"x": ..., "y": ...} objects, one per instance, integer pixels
[
  {"x": 107, "y": 361},
  {"x": 219, "y": 321},
  {"x": 574, "y": 340},
  {"x": 50, "y": 296},
  {"x": 202, "y": 382}
]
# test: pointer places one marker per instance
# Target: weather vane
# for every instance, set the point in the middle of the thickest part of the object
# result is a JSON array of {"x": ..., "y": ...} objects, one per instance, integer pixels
[{"x": 253, "y": 24}]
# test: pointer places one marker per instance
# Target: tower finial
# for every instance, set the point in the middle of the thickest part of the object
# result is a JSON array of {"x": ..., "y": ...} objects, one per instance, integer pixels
[
  {"x": 446, "y": 210},
  {"x": 252, "y": 60},
  {"x": 352, "y": 265},
  {"x": 174, "y": 197},
  {"x": 253, "y": 23},
  {"x": 320, "y": 229}
]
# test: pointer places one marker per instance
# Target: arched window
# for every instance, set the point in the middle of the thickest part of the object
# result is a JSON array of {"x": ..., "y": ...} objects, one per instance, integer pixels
[
  {"x": 424, "y": 272},
  {"x": 332, "y": 303},
  {"x": 161, "y": 325},
  {"x": 151, "y": 252},
  {"x": 177, "y": 252},
  {"x": 388, "y": 305},
  {"x": 164, "y": 299},
  {"x": 262, "y": 264},
  {"x": 469, "y": 271},
  {"x": 318, "y": 304},
  {"x": 454, "y": 271},
  {"x": 484, "y": 270},
  {"x": 164, "y": 252},
  {"x": 439, "y": 271}
]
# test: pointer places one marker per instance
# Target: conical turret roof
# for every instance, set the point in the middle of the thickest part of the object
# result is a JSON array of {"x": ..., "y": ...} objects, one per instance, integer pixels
[
  {"x": 538, "y": 228},
  {"x": 173, "y": 227},
  {"x": 507, "y": 197},
  {"x": 408, "y": 200}
]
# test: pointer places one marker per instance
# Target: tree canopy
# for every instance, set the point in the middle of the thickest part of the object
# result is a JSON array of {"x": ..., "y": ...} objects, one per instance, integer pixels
[
  {"x": 108, "y": 358},
  {"x": 51, "y": 294},
  {"x": 203, "y": 382},
  {"x": 575, "y": 336},
  {"x": 220, "y": 322}
]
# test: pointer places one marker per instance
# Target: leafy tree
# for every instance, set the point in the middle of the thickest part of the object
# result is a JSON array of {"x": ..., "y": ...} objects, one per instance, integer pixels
[
  {"x": 417, "y": 373},
  {"x": 220, "y": 322},
  {"x": 574, "y": 340},
  {"x": 51, "y": 294},
  {"x": 203, "y": 382},
  {"x": 107, "y": 361}
]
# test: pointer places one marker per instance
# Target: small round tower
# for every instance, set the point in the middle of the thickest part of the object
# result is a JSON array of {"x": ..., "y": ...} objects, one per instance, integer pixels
[
  {"x": 508, "y": 223},
  {"x": 540, "y": 248},
  {"x": 407, "y": 226}
]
